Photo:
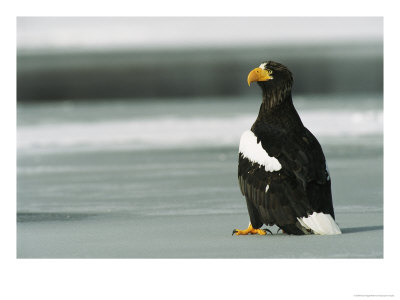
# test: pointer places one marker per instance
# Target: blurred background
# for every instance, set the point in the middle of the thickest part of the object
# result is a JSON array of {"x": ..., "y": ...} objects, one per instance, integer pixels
[
  {"x": 129, "y": 125},
  {"x": 103, "y": 58}
]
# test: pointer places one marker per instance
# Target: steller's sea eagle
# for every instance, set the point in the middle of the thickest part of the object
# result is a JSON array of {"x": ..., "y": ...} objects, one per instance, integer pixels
[{"x": 282, "y": 169}]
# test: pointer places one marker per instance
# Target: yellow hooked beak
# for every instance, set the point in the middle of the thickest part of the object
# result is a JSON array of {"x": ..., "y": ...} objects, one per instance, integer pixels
[{"x": 258, "y": 74}]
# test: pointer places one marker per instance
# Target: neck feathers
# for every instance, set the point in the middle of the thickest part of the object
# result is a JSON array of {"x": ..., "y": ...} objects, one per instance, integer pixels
[
  {"x": 277, "y": 106},
  {"x": 275, "y": 95}
]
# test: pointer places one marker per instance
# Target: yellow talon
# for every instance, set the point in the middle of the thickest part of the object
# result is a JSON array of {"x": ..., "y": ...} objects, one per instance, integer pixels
[
  {"x": 258, "y": 231},
  {"x": 250, "y": 230}
]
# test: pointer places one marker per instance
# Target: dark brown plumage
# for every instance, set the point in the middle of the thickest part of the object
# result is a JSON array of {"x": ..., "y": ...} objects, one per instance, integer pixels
[{"x": 302, "y": 185}]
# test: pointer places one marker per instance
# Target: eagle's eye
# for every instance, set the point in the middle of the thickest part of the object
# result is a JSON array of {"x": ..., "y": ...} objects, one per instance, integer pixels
[{"x": 269, "y": 71}]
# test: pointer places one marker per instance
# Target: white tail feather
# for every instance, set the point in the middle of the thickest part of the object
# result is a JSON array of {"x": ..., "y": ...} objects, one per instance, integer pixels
[{"x": 320, "y": 223}]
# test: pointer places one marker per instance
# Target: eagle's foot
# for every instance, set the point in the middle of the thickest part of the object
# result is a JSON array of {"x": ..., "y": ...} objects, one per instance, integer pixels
[{"x": 251, "y": 230}]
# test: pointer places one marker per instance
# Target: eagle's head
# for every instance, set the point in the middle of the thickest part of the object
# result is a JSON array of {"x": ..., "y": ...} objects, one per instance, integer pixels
[
  {"x": 270, "y": 73},
  {"x": 274, "y": 79}
]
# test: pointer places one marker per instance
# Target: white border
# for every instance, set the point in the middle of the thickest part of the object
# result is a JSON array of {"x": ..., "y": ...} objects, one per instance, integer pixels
[{"x": 197, "y": 279}]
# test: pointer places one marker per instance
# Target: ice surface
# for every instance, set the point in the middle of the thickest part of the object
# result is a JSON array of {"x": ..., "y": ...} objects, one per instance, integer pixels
[{"x": 128, "y": 202}]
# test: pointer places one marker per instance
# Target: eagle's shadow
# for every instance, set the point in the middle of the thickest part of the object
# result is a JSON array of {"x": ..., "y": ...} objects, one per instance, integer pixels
[{"x": 361, "y": 229}]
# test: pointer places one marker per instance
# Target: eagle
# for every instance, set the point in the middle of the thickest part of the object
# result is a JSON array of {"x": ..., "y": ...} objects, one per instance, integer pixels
[{"x": 282, "y": 170}]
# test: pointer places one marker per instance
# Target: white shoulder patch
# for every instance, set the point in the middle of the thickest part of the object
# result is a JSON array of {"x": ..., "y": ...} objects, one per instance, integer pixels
[
  {"x": 254, "y": 152},
  {"x": 320, "y": 223}
]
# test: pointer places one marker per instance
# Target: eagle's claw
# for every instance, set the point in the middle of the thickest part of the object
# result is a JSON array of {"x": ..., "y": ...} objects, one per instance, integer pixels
[
  {"x": 266, "y": 229},
  {"x": 251, "y": 230}
]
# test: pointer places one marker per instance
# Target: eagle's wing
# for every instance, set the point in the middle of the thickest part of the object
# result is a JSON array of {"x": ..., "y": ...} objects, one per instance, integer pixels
[
  {"x": 305, "y": 183},
  {"x": 299, "y": 152}
]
